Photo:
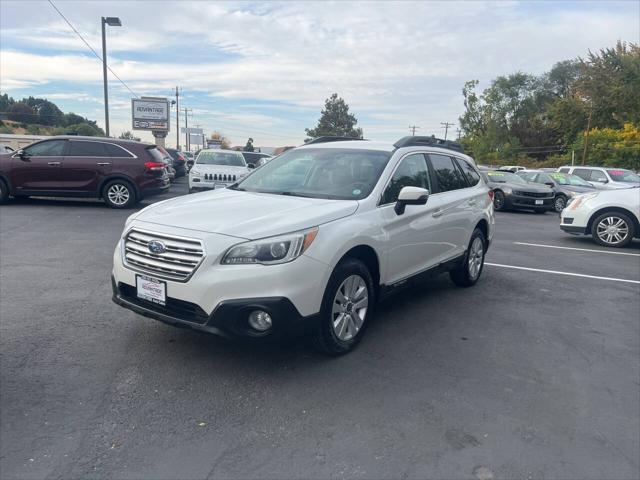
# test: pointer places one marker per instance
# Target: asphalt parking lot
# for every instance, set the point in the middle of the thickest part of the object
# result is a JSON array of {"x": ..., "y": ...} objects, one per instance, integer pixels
[{"x": 534, "y": 373}]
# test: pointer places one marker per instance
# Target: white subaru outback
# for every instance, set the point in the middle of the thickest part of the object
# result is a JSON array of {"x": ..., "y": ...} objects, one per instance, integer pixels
[{"x": 311, "y": 240}]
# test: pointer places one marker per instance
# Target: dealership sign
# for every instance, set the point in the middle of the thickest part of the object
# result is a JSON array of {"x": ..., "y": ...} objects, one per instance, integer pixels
[{"x": 150, "y": 113}]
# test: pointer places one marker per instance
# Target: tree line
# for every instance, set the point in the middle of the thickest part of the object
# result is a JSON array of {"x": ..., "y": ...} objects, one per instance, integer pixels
[{"x": 33, "y": 113}]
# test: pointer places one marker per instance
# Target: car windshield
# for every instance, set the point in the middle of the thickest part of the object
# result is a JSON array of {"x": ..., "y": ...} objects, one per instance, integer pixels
[
  {"x": 627, "y": 176},
  {"x": 230, "y": 159},
  {"x": 503, "y": 177},
  {"x": 342, "y": 174},
  {"x": 567, "y": 179}
]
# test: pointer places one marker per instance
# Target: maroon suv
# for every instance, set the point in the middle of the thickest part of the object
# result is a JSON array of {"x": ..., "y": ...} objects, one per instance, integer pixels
[{"x": 121, "y": 172}]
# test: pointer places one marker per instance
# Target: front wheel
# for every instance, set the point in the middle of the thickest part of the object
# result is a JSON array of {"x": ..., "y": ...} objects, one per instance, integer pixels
[
  {"x": 559, "y": 203},
  {"x": 498, "y": 200},
  {"x": 613, "y": 229},
  {"x": 468, "y": 272},
  {"x": 347, "y": 306},
  {"x": 119, "y": 194}
]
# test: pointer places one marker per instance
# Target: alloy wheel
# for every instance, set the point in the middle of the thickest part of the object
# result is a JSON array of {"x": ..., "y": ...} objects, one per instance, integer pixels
[
  {"x": 349, "y": 307},
  {"x": 118, "y": 194},
  {"x": 559, "y": 204},
  {"x": 476, "y": 256},
  {"x": 612, "y": 230}
]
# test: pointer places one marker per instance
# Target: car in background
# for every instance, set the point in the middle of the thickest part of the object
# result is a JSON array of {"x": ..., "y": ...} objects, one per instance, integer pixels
[
  {"x": 256, "y": 158},
  {"x": 217, "y": 168},
  {"x": 510, "y": 192},
  {"x": 5, "y": 148},
  {"x": 121, "y": 172},
  {"x": 179, "y": 162},
  {"x": 611, "y": 217},
  {"x": 604, "y": 178},
  {"x": 190, "y": 157},
  {"x": 512, "y": 168},
  {"x": 564, "y": 185}
]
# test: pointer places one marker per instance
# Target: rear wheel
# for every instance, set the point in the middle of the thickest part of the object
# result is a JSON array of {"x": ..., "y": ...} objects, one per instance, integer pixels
[
  {"x": 119, "y": 194},
  {"x": 613, "y": 229},
  {"x": 4, "y": 192},
  {"x": 347, "y": 307},
  {"x": 498, "y": 200},
  {"x": 468, "y": 272}
]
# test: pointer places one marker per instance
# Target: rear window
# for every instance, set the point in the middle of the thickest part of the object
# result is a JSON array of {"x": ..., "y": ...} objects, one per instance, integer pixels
[
  {"x": 229, "y": 159},
  {"x": 116, "y": 151}
]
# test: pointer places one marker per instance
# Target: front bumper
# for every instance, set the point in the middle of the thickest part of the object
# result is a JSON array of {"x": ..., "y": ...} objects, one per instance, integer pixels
[{"x": 528, "y": 203}]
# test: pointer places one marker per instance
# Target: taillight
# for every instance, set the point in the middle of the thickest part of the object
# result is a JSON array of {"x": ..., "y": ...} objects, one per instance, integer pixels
[
  {"x": 490, "y": 194},
  {"x": 154, "y": 166}
]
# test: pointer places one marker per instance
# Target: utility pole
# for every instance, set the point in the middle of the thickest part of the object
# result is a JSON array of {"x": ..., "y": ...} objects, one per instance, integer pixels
[
  {"x": 459, "y": 132},
  {"x": 446, "y": 126},
  {"x": 177, "y": 120},
  {"x": 186, "y": 128},
  {"x": 413, "y": 129},
  {"x": 586, "y": 137},
  {"x": 113, "y": 22}
]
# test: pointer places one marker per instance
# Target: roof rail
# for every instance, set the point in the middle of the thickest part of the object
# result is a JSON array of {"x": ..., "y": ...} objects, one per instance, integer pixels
[
  {"x": 331, "y": 138},
  {"x": 418, "y": 141}
]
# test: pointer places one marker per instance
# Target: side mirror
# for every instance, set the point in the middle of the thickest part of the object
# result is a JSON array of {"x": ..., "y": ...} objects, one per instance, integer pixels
[
  {"x": 550, "y": 184},
  {"x": 23, "y": 156},
  {"x": 251, "y": 166},
  {"x": 410, "y": 196}
]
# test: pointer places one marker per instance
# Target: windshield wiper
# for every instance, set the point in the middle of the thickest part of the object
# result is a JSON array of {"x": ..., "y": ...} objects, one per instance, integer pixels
[
  {"x": 236, "y": 187},
  {"x": 300, "y": 194}
]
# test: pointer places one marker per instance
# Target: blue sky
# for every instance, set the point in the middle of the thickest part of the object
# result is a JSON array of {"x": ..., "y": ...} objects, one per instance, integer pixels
[{"x": 264, "y": 69}]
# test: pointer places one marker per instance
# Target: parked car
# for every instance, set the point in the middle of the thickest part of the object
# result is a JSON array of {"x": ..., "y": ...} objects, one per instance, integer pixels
[
  {"x": 604, "y": 178},
  {"x": 256, "y": 158},
  {"x": 339, "y": 225},
  {"x": 512, "y": 168},
  {"x": 179, "y": 162},
  {"x": 217, "y": 168},
  {"x": 510, "y": 192},
  {"x": 190, "y": 157},
  {"x": 564, "y": 185},
  {"x": 121, "y": 172},
  {"x": 612, "y": 217},
  {"x": 5, "y": 148}
]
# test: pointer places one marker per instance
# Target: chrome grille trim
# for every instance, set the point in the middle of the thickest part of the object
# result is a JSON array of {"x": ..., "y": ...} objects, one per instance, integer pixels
[{"x": 181, "y": 259}]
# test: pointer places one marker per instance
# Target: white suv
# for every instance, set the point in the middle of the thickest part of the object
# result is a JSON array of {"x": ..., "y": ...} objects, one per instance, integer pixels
[
  {"x": 217, "y": 169},
  {"x": 311, "y": 239},
  {"x": 604, "y": 178}
]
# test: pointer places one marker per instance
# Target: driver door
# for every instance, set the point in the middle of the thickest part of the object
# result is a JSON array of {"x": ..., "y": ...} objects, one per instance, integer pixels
[{"x": 38, "y": 168}]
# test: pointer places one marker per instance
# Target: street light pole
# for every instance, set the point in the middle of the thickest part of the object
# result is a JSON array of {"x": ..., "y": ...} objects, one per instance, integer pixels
[{"x": 114, "y": 22}]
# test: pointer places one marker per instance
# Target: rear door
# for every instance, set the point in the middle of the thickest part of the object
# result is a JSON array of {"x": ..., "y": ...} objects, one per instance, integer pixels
[
  {"x": 38, "y": 169},
  {"x": 85, "y": 165}
]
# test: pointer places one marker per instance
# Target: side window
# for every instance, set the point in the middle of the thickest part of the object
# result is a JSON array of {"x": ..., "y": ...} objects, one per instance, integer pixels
[
  {"x": 528, "y": 176},
  {"x": 79, "y": 148},
  {"x": 469, "y": 172},
  {"x": 598, "y": 176},
  {"x": 51, "y": 148},
  {"x": 544, "y": 178},
  {"x": 411, "y": 172},
  {"x": 116, "y": 151},
  {"x": 564, "y": 170},
  {"x": 447, "y": 175},
  {"x": 583, "y": 173}
]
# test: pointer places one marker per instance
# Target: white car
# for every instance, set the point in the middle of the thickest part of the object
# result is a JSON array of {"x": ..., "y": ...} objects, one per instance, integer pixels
[
  {"x": 513, "y": 168},
  {"x": 612, "y": 217},
  {"x": 217, "y": 169},
  {"x": 310, "y": 240},
  {"x": 604, "y": 178}
]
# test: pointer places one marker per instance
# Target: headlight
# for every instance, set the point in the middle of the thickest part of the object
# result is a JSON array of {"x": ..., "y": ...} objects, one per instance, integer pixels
[
  {"x": 581, "y": 199},
  {"x": 271, "y": 251}
]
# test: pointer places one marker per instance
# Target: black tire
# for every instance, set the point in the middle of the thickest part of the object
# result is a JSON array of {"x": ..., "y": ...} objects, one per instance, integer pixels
[
  {"x": 463, "y": 275},
  {"x": 4, "y": 192},
  {"x": 128, "y": 198},
  {"x": 600, "y": 223},
  {"x": 498, "y": 200},
  {"x": 325, "y": 339},
  {"x": 559, "y": 203}
]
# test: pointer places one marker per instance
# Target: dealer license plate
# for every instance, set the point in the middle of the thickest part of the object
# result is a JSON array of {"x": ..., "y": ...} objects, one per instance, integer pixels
[
  {"x": 151, "y": 290},
  {"x": 539, "y": 202}
]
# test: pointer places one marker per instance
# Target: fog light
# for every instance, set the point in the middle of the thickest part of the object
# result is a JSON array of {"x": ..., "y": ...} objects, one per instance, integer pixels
[{"x": 260, "y": 320}]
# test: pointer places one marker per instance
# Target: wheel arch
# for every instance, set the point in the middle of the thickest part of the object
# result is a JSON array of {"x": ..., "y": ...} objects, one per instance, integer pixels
[
  {"x": 118, "y": 177},
  {"x": 367, "y": 255},
  {"x": 7, "y": 182},
  {"x": 483, "y": 225},
  {"x": 630, "y": 214}
]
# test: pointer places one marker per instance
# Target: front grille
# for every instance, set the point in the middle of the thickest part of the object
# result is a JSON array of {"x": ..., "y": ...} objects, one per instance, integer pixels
[
  {"x": 220, "y": 177},
  {"x": 182, "y": 256},
  {"x": 175, "y": 308},
  {"x": 533, "y": 194}
]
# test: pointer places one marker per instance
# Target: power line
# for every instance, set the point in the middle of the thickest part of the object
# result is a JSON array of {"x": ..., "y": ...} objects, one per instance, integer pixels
[
  {"x": 413, "y": 129},
  {"x": 91, "y": 48}
]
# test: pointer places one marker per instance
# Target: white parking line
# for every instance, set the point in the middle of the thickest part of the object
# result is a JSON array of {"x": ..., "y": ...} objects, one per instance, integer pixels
[
  {"x": 624, "y": 280},
  {"x": 579, "y": 249}
]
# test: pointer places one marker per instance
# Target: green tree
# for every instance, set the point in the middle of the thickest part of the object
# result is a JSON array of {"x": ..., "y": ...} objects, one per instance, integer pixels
[
  {"x": 21, "y": 112},
  {"x": 128, "y": 136},
  {"x": 249, "y": 146},
  {"x": 5, "y": 102},
  {"x": 48, "y": 112},
  {"x": 72, "y": 119},
  {"x": 335, "y": 119}
]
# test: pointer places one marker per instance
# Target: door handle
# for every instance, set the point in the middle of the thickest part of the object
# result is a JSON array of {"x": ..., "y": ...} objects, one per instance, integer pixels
[
  {"x": 472, "y": 202},
  {"x": 437, "y": 213},
  {"x": 53, "y": 163},
  {"x": 102, "y": 164}
]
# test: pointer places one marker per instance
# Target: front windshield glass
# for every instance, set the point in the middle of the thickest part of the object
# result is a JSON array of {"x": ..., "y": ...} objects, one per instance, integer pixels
[
  {"x": 626, "y": 176},
  {"x": 230, "y": 159},
  {"x": 336, "y": 173},
  {"x": 567, "y": 179},
  {"x": 503, "y": 177}
]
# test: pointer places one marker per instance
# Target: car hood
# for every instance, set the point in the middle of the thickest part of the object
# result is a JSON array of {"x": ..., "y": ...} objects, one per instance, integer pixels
[
  {"x": 525, "y": 187},
  {"x": 245, "y": 214},
  {"x": 577, "y": 188}
]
